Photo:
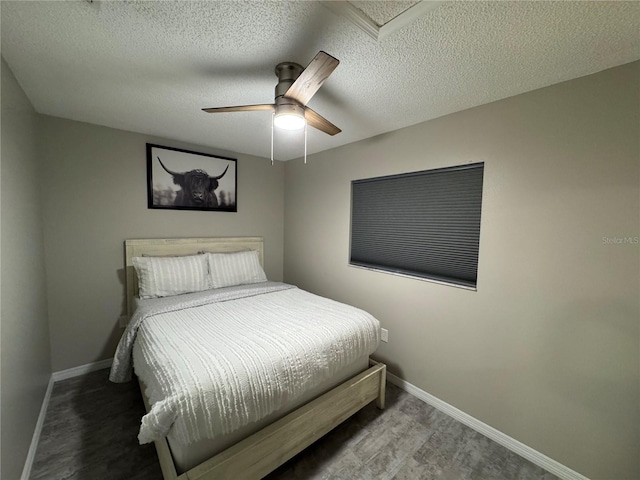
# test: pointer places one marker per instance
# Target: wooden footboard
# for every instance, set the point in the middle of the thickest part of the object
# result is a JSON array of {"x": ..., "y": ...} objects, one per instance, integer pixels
[{"x": 267, "y": 449}]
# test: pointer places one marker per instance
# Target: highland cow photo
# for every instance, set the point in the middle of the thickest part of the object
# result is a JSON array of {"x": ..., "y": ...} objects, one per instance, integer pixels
[{"x": 183, "y": 180}]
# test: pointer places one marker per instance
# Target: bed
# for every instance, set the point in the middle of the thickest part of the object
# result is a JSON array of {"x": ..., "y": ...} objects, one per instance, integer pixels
[{"x": 282, "y": 427}]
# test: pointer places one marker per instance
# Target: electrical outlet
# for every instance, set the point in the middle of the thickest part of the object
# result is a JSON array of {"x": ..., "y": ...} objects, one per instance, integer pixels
[
  {"x": 384, "y": 335},
  {"x": 123, "y": 321}
]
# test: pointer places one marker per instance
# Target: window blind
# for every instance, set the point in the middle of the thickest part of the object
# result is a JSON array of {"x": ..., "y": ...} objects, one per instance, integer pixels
[{"x": 424, "y": 224}]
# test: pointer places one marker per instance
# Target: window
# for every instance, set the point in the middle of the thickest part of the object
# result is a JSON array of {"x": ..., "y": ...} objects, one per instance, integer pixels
[{"x": 422, "y": 224}]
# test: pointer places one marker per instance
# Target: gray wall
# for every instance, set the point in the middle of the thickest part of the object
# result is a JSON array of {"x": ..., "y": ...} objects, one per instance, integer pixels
[
  {"x": 24, "y": 347},
  {"x": 95, "y": 196},
  {"x": 548, "y": 349}
]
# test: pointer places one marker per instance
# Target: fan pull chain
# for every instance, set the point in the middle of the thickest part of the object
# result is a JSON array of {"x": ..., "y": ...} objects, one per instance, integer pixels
[
  {"x": 305, "y": 143},
  {"x": 273, "y": 116}
]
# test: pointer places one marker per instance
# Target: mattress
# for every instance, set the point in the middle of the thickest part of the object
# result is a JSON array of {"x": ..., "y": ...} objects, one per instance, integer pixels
[{"x": 220, "y": 364}]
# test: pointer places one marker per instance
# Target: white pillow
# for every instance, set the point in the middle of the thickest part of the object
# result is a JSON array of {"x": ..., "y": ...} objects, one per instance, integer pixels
[
  {"x": 166, "y": 276},
  {"x": 237, "y": 268}
]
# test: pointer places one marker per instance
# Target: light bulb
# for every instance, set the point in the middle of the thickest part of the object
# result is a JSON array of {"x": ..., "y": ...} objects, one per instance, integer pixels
[{"x": 289, "y": 121}]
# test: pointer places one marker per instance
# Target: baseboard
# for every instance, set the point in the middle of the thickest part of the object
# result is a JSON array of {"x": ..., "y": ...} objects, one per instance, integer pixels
[
  {"x": 81, "y": 370},
  {"x": 56, "y": 377},
  {"x": 497, "y": 436},
  {"x": 31, "y": 454}
]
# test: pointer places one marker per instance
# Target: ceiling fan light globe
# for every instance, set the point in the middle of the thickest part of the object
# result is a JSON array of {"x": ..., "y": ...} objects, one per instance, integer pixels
[{"x": 289, "y": 121}]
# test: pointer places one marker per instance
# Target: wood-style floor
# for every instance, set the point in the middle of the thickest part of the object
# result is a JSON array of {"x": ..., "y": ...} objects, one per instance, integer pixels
[{"x": 91, "y": 426}]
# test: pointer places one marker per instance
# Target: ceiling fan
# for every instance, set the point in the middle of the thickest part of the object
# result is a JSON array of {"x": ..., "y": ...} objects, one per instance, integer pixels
[{"x": 296, "y": 86}]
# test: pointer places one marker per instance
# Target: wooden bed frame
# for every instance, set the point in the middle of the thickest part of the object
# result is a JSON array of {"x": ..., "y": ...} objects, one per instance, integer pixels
[{"x": 267, "y": 449}]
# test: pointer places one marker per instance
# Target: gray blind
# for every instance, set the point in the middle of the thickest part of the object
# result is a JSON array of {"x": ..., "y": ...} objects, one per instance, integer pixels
[{"x": 424, "y": 224}]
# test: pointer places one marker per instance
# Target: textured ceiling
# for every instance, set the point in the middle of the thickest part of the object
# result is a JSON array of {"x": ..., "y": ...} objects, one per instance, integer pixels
[
  {"x": 150, "y": 67},
  {"x": 382, "y": 12}
]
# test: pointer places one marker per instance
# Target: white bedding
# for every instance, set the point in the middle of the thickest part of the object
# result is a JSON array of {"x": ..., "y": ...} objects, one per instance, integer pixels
[
  {"x": 188, "y": 456},
  {"x": 220, "y": 360}
]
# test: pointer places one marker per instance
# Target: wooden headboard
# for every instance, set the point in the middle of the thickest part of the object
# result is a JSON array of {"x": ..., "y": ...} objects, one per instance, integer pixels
[{"x": 180, "y": 246}]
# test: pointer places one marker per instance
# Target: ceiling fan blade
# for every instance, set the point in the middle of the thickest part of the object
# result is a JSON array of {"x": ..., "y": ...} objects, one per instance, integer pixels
[
  {"x": 316, "y": 120},
  {"x": 241, "y": 108},
  {"x": 312, "y": 77}
]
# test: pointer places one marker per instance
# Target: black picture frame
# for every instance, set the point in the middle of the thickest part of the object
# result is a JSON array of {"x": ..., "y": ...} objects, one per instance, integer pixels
[{"x": 180, "y": 179}]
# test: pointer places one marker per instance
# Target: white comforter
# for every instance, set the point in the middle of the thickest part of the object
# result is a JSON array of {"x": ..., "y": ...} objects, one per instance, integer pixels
[{"x": 221, "y": 360}]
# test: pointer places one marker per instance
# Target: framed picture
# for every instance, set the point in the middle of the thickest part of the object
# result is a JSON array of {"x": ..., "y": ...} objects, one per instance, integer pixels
[{"x": 183, "y": 180}]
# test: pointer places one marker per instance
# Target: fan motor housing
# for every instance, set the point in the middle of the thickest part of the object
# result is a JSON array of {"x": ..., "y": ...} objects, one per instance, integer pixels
[
  {"x": 285, "y": 105},
  {"x": 287, "y": 72}
]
